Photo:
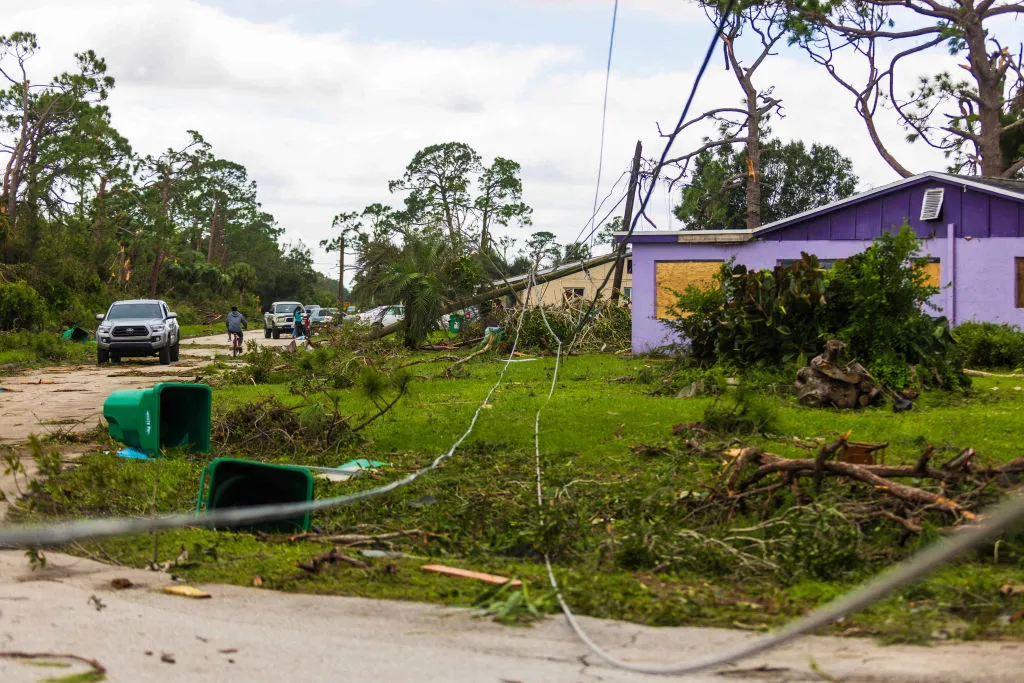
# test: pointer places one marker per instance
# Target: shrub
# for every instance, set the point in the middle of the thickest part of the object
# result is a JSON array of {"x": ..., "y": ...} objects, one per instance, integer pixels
[
  {"x": 990, "y": 345},
  {"x": 34, "y": 347},
  {"x": 753, "y": 317},
  {"x": 21, "y": 307},
  {"x": 878, "y": 303}
]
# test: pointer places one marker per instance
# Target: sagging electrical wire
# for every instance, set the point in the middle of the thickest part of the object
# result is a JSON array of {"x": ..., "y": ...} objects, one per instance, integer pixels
[{"x": 604, "y": 108}]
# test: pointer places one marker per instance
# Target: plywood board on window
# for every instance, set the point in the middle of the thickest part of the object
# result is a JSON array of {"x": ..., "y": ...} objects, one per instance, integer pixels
[
  {"x": 1019, "y": 262},
  {"x": 933, "y": 270},
  {"x": 676, "y": 276}
]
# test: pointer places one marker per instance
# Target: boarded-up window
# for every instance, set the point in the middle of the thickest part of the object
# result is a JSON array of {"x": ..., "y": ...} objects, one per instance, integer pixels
[
  {"x": 1020, "y": 281},
  {"x": 676, "y": 276},
  {"x": 933, "y": 270},
  {"x": 572, "y": 293}
]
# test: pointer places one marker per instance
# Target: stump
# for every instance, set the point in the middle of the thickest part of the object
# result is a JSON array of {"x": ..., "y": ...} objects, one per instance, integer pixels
[{"x": 826, "y": 383}]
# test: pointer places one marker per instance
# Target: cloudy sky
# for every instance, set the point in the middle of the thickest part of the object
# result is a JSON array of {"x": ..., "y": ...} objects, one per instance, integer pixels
[{"x": 324, "y": 101}]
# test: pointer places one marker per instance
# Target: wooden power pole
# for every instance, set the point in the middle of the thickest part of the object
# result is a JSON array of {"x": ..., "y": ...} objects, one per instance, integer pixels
[
  {"x": 627, "y": 220},
  {"x": 341, "y": 270}
]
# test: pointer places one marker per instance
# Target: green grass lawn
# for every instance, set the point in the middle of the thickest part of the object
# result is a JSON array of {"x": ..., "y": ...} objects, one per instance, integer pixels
[{"x": 622, "y": 496}]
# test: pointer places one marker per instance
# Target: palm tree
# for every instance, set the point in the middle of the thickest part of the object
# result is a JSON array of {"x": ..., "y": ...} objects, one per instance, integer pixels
[{"x": 425, "y": 274}]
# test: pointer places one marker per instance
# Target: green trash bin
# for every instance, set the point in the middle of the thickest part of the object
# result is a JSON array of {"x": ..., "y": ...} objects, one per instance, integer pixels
[
  {"x": 455, "y": 323},
  {"x": 75, "y": 334},
  {"x": 233, "y": 483},
  {"x": 170, "y": 415}
]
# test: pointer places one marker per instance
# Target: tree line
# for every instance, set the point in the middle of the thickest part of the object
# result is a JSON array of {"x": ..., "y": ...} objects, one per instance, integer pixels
[{"x": 85, "y": 219}]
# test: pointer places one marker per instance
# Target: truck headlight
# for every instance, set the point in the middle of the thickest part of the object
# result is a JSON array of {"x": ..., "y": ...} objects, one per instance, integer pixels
[{"x": 157, "y": 328}]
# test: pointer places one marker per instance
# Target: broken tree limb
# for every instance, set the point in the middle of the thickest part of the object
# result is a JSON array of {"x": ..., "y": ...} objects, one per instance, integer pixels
[
  {"x": 802, "y": 467},
  {"x": 831, "y": 449},
  {"x": 487, "y": 347}
]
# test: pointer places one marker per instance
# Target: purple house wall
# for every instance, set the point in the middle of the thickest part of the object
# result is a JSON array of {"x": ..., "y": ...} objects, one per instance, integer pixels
[{"x": 976, "y": 239}]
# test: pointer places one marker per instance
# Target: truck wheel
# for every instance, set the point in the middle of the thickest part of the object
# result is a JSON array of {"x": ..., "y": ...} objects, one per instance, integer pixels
[
  {"x": 175, "y": 352},
  {"x": 102, "y": 356},
  {"x": 266, "y": 333},
  {"x": 165, "y": 355},
  {"x": 277, "y": 333}
]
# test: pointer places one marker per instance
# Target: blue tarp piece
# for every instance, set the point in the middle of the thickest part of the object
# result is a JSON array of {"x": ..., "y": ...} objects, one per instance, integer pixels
[
  {"x": 133, "y": 454},
  {"x": 360, "y": 464}
]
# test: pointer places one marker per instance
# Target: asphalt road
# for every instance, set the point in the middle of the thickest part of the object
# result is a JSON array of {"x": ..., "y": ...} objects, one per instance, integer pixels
[{"x": 252, "y": 635}]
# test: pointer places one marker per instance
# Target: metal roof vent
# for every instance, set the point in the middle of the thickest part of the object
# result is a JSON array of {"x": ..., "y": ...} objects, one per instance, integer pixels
[{"x": 931, "y": 206}]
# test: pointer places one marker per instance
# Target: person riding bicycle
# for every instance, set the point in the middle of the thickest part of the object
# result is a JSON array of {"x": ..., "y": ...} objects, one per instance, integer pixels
[{"x": 236, "y": 322}]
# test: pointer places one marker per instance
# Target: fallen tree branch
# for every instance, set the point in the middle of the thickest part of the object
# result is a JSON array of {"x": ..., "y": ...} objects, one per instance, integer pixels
[
  {"x": 428, "y": 360},
  {"x": 487, "y": 347},
  {"x": 317, "y": 563},
  {"x": 802, "y": 467}
]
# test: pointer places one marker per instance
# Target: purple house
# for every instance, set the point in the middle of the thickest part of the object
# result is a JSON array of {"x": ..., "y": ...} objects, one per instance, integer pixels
[{"x": 972, "y": 231}]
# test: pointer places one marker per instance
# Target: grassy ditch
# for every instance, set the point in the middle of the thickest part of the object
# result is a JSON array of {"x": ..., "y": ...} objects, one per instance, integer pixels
[{"x": 638, "y": 521}]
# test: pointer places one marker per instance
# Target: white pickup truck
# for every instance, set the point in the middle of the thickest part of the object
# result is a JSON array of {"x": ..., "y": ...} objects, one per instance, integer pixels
[{"x": 280, "y": 318}]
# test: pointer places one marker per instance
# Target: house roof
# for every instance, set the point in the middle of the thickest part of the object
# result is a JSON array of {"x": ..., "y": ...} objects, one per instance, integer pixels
[
  {"x": 1013, "y": 189},
  {"x": 572, "y": 266}
]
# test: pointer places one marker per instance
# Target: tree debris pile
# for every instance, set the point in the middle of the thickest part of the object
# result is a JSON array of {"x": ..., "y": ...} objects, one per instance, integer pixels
[
  {"x": 317, "y": 424},
  {"x": 824, "y": 382},
  {"x": 607, "y": 328},
  {"x": 821, "y": 516},
  {"x": 962, "y": 485}
]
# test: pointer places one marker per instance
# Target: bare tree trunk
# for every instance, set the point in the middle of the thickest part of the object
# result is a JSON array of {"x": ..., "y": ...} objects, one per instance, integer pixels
[
  {"x": 990, "y": 95},
  {"x": 154, "y": 274},
  {"x": 213, "y": 231},
  {"x": 96, "y": 221}
]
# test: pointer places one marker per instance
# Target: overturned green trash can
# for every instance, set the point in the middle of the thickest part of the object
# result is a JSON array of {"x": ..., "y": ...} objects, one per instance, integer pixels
[
  {"x": 233, "y": 483},
  {"x": 170, "y": 415},
  {"x": 75, "y": 334}
]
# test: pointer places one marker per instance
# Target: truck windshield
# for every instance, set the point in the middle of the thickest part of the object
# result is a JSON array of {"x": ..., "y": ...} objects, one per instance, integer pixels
[
  {"x": 134, "y": 311},
  {"x": 284, "y": 308}
]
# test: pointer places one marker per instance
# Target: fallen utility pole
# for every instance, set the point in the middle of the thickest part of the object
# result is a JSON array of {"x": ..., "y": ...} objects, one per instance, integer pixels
[
  {"x": 627, "y": 219},
  {"x": 503, "y": 290}
]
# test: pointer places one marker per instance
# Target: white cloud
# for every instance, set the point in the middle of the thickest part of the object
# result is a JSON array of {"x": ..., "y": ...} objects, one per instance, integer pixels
[{"x": 323, "y": 121}]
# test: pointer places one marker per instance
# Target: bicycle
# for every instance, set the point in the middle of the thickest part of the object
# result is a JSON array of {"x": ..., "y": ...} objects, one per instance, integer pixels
[{"x": 236, "y": 343}]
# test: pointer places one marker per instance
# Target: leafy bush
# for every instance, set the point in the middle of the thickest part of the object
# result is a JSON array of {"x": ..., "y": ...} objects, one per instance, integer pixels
[
  {"x": 990, "y": 345},
  {"x": 769, "y": 314},
  {"x": 21, "y": 307},
  {"x": 32, "y": 347},
  {"x": 878, "y": 302}
]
